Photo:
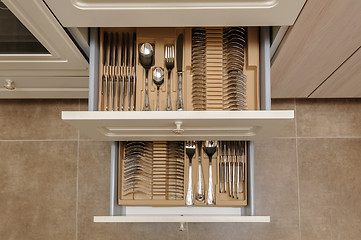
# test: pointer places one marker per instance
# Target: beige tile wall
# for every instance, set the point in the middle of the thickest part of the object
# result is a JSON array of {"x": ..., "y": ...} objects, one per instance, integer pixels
[{"x": 53, "y": 181}]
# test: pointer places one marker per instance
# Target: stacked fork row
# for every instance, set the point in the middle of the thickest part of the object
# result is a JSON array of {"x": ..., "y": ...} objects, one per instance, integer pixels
[
  {"x": 118, "y": 84},
  {"x": 234, "y": 81},
  {"x": 153, "y": 169},
  {"x": 205, "y": 64}
]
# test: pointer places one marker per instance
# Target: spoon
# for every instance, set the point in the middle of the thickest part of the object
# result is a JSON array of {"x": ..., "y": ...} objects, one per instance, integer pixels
[
  {"x": 146, "y": 59},
  {"x": 210, "y": 148},
  {"x": 158, "y": 79}
]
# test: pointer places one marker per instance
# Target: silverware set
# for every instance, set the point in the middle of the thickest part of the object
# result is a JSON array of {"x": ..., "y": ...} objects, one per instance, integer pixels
[
  {"x": 146, "y": 59},
  {"x": 154, "y": 169},
  {"x": 232, "y": 168},
  {"x": 234, "y": 81},
  {"x": 210, "y": 148},
  {"x": 119, "y": 71}
]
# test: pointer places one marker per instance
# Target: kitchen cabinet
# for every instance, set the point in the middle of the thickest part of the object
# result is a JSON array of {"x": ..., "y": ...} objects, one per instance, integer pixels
[
  {"x": 257, "y": 123},
  {"x": 38, "y": 58},
  {"x": 344, "y": 82},
  {"x": 319, "y": 54},
  {"x": 194, "y": 125}
]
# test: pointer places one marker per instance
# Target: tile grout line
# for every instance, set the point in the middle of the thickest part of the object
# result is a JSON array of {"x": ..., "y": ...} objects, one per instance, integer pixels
[
  {"x": 77, "y": 182},
  {"x": 298, "y": 175}
]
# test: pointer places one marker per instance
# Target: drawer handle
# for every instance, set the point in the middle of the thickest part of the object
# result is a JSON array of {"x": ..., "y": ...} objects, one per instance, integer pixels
[{"x": 178, "y": 129}]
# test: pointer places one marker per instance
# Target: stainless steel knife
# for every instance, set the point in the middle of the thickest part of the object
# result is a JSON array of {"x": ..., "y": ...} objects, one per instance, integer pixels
[
  {"x": 128, "y": 68},
  {"x": 123, "y": 71},
  {"x": 112, "y": 63},
  {"x": 179, "y": 53},
  {"x": 106, "y": 68},
  {"x": 117, "y": 71},
  {"x": 134, "y": 68}
]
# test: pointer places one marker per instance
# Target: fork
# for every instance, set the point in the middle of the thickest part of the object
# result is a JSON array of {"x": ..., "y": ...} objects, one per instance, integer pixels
[
  {"x": 169, "y": 64},
  {"x": 190, "y": 151},
  {"x": 210, "y": 148}
]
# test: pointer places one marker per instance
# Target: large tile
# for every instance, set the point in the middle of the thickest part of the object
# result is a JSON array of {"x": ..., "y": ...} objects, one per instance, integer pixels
[
  {"x": 275, "y": 230},
  {"x": 224, "y": 231},
  {"x": 330, "y": 188},
  {"x": 38, "y": 190},
  {"x": 275, "y": 196},
  {"x": 36, "y": 119},
  {"x": 285, "y": 104},
  {"x": 276, "y": 183},
  {"x": 94, "y": 169},
  {"x": 328, "y": 117}
]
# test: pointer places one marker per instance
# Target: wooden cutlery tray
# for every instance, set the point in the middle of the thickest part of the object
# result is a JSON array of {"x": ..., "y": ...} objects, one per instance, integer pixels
[
  {"x": 221, "y": 199},
  {"x": 158, "y": 37}
]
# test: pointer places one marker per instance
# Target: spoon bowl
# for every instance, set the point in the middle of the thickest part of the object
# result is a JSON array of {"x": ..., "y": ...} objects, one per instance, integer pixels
[
  {"x": 158, "y": 79},
  {"x": 146, "y": 59},
  {"x": 146, "y": 55}
]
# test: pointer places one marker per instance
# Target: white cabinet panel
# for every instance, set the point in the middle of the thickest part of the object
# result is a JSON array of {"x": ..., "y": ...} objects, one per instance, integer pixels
[
  {"x": 162, "y": 13},
  {"x": 182, "y": 125},
  {"x": 44, "y": 87}
]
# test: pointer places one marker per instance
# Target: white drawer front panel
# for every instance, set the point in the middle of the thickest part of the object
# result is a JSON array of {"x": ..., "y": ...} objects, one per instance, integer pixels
[{"x": 174, "y": 126}]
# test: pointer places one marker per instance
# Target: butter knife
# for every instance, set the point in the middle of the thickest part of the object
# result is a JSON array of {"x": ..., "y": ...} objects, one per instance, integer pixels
[{"x": 179, "y": 105}]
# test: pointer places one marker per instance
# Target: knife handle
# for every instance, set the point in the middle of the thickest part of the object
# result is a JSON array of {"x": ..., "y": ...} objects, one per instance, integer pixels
[{"x": 180, "y": 93}]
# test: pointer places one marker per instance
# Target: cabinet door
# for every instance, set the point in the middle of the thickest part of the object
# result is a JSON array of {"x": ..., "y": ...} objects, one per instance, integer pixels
[
  {"x": 38, "y": 58},
  {"x": 166, "y": 13},
  {"x": 59, "y": 56}
]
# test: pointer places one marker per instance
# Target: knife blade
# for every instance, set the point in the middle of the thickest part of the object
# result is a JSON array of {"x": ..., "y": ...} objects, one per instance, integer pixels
[{"x": 179, "y": 53}]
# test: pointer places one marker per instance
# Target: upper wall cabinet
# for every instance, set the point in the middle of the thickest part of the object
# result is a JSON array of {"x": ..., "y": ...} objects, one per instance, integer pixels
[
  {"x": 38, "y": 59},
  {"x": 319, "y": 56},
  {"x": 163, "y": 13}
]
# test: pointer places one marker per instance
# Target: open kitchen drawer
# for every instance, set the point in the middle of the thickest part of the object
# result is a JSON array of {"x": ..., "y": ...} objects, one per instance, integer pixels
[
  {"x": 213, "y": 124},
  {"x": 183, "y": 125}
]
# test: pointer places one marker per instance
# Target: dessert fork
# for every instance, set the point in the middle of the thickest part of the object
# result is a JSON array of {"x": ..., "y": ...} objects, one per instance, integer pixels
[
  {"x": 169, "y": 64},
  {"x": 190, "y": 151}
]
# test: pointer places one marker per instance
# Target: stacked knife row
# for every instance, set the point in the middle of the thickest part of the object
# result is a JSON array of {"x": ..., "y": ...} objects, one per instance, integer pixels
[
  {"x": 152, "y": 170},
  {"x": 118, "y": 85},
  {"x": 232, "y": 160},
  {"x": 205, "y": 68}
]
